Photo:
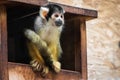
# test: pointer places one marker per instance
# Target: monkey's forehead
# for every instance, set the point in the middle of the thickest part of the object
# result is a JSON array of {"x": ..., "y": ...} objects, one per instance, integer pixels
[{"x": 55, "y": 8}]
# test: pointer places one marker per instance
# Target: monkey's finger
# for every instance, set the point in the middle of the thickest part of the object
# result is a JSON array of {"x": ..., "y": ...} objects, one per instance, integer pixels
[
  {"x": 34, "y": 64},
  {"x": 39, "y": 67},
  {"x": 33, "y": 61},
  {"x": 45, "y": 71}
]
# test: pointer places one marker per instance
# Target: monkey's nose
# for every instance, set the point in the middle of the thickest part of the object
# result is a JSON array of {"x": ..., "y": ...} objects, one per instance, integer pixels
[{"x": 58, "y": 23}]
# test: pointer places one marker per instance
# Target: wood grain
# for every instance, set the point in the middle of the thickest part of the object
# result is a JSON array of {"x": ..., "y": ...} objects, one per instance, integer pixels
[
  {"x": 24, "y": 72},
  {"x": 89, "y": 14},
  {"x": 33, "y": 2},
  {"x": 3, "y": 44},
  {"x": 83, "y": 48}
]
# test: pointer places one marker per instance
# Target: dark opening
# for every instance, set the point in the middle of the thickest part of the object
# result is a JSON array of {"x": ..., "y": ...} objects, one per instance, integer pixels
[{"x": 18, "y": 21}]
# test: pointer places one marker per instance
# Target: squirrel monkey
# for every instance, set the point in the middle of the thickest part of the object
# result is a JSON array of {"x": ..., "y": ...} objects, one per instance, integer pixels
[{"x": 44, "y": 41}]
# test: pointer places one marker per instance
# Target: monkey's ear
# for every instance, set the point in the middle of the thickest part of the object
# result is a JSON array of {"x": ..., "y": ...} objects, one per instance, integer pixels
[
  {"x": 43, "y": 12},
  {"x": 64, "y": 11}
]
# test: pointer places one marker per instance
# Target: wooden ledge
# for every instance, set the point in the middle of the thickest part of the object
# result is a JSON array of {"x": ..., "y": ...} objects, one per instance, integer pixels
[
  {"x": 69, "y": 9},
  {"x": 24, "y": 72}
]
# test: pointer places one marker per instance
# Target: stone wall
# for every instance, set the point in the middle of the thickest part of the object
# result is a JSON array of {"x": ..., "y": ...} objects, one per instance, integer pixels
[{"x": 103, "y": 37}]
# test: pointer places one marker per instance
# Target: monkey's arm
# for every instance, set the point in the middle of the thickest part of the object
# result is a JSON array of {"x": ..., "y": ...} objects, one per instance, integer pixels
[
  {"x": 44, "y": 49},
  {"x": 35, "y": 38},
  {"x": 41, "y": 45}
]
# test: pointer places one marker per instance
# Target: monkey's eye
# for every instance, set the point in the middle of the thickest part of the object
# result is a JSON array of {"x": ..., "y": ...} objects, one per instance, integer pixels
[
  {"x": 61, "y": 16},
  {"x": 56, "y": 15}
]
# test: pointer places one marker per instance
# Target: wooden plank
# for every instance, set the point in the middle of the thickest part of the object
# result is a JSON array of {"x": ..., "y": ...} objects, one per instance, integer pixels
[
  {"x": 2, "y": 1},
  {"x": 33, "y": 2},
  {"x": 80, "y": 11},
  {"x": 24, "y": 72},
  {"x": 70, "y": 9},
  {"x": 3, "y": 44},
  {"x": 83, "y": 48}
]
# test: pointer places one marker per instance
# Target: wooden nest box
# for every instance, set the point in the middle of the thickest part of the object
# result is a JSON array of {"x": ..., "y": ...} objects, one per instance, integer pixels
[{"x": 15, "y": 15}]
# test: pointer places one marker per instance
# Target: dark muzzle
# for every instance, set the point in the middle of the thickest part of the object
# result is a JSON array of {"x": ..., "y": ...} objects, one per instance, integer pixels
[{"x": 58, "y": 23}]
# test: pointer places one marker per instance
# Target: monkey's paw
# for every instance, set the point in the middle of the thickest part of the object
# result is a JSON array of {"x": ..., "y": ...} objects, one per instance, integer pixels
[
  {"x": 56, "y": 66},
  {"x": 37, "y": 66}
]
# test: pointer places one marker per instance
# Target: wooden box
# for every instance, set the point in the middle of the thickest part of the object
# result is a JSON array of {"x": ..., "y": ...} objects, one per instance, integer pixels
[{"x": 15, "y": 15}]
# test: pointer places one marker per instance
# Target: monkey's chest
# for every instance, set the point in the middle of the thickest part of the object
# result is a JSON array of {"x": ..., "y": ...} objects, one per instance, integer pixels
[{"x": 50, "y": 36}]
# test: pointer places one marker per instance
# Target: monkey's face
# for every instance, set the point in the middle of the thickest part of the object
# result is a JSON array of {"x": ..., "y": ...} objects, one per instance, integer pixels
[
  {"x": 58, "y": 19},
  {"x": 54, "y": 14}
]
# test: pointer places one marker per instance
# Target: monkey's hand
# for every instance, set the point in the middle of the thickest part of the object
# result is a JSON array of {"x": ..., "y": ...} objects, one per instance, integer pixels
[
  {"x": 56, "y": 66},
  {"x": 35, "y": 38},
  {"x": 37, "y": 66}
]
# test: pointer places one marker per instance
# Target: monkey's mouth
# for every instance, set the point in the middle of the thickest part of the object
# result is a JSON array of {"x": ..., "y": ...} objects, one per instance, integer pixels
[{"x": 58, "y": 23}]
